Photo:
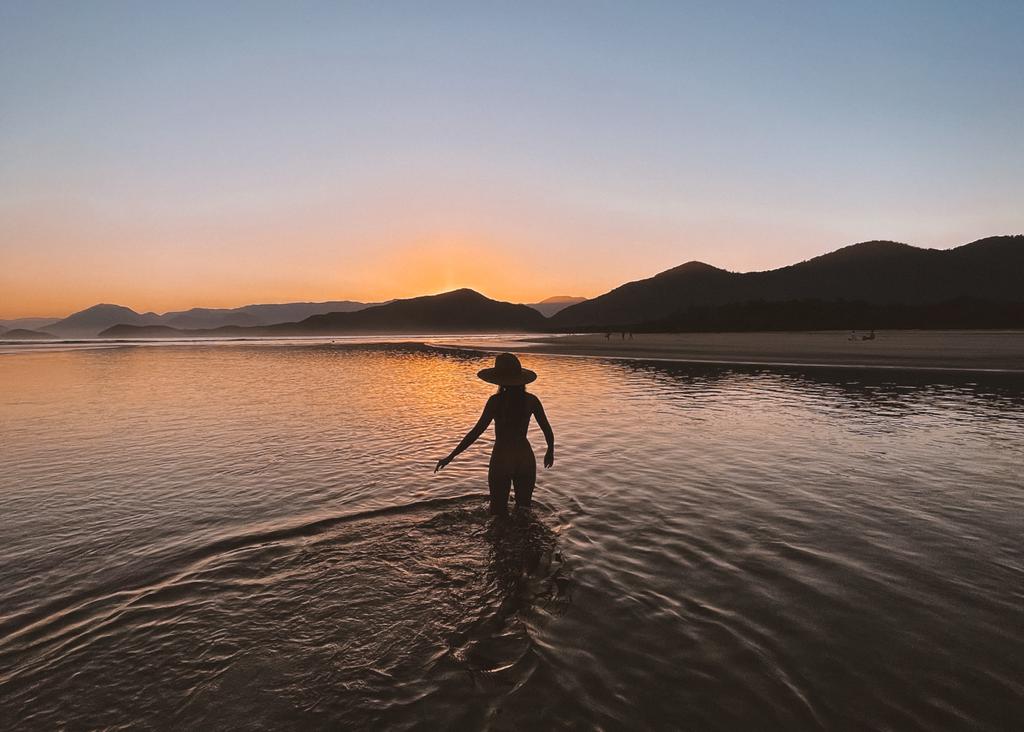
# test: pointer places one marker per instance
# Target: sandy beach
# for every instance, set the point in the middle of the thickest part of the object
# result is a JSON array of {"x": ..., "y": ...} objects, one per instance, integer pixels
[{"x": 969, "y": 350}]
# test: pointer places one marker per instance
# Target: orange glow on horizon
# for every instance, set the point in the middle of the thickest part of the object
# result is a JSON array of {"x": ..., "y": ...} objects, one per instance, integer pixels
[
  {"x": 426, "y": 266},
  {"x": 71, "y": 256}
]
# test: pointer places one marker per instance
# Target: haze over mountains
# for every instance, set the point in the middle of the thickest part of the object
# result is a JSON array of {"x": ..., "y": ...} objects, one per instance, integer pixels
[
  {"x": 26, "y": 323},
  {"x": 552, "y": 305},
  {"x": 872, "y": 284},
  {"x": 464, "y": 311},
  {"x": 91, "y": 321},
  {"x": 23, "y": 334}
]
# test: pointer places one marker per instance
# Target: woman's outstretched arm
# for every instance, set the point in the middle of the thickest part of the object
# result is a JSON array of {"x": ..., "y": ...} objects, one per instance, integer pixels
[
  {"x": 545, "y": 427},
  {"x": 471, "y": 436}
]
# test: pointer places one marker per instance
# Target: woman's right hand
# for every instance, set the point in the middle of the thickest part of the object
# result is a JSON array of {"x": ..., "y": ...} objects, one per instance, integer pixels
[{"x": 443, "y": 462}]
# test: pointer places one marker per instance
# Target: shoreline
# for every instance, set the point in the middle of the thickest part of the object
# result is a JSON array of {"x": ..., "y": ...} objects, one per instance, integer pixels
[
  {"x": 981, "y": 351},
  {"x": 926, "y": 350}
]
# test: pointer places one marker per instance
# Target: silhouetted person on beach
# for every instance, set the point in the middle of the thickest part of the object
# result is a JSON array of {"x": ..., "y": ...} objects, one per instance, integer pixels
[{"x": 512, "y": 461}]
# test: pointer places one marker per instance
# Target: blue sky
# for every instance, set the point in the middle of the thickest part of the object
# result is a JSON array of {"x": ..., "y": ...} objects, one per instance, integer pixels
[{"x": 173, "y": 154}]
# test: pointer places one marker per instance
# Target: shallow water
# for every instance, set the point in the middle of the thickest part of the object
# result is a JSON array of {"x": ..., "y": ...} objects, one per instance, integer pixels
[{"x": 212, "y": 536}]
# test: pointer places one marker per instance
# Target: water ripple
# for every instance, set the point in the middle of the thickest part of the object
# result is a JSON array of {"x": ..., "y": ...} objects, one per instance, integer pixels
[{"x": 197, "y": 534}]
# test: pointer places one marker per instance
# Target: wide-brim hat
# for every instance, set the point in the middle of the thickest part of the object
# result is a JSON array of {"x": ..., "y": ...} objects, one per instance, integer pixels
[{"x": 507, "y": 371}]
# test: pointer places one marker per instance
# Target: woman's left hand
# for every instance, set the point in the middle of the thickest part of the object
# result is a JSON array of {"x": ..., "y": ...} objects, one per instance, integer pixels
[
  {"x": 443, "y": 462},
  {"x": 549, "y": 457}
]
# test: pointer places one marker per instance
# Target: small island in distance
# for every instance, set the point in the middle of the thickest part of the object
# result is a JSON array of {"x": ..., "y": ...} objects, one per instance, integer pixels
[{"x": 24, "y": 334}]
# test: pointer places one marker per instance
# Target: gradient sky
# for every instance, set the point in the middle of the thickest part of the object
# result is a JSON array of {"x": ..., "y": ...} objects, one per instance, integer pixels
[{"x": 165, "y": 155}]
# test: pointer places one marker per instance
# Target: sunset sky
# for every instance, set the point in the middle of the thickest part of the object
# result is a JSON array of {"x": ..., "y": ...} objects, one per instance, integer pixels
[{"x": 176, "y": 154}]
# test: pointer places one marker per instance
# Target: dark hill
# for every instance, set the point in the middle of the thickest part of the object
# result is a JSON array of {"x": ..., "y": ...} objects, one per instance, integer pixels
[
  {"x": 87, "y": 323},
  {"x": 693, "y": 283},
  {"x": 876, "y": 273},
  {"x": 208, "y": 318},
  {"x": 459, "y": 311},
  {"x": 451, "y": 312},
  {"x": 247, "y": 315}
]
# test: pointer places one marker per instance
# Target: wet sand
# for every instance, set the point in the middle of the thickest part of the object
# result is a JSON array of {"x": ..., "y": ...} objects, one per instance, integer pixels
[{"x": 971, "y": 350}]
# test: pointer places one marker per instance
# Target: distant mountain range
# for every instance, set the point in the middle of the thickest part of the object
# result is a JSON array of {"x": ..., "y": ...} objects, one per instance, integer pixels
[
  {"x": 459, "y": 311},
  {"x": 875, "y": 284},
  {"x": 26, "y": 323},
  {"x": 91, "y": 321},
  {"x": 869, "y": 278},
  {"x": 23, "y": 334},
  {"x": 552, "y": 305}
]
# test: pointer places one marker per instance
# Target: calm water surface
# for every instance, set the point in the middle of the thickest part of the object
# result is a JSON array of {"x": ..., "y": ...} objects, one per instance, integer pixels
[{"x": 243, "y": 535}]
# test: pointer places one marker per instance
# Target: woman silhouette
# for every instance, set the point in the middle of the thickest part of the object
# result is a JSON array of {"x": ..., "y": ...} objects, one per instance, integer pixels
[{"x": 512, "y": 460}]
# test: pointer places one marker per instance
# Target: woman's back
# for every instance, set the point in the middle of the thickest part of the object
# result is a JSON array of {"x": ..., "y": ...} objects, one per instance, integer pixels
[{"x": 512, "y": 409}]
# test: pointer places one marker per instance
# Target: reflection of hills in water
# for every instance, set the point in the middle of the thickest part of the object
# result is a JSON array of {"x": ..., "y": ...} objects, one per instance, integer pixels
[{"x": 386, "y": 618}]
